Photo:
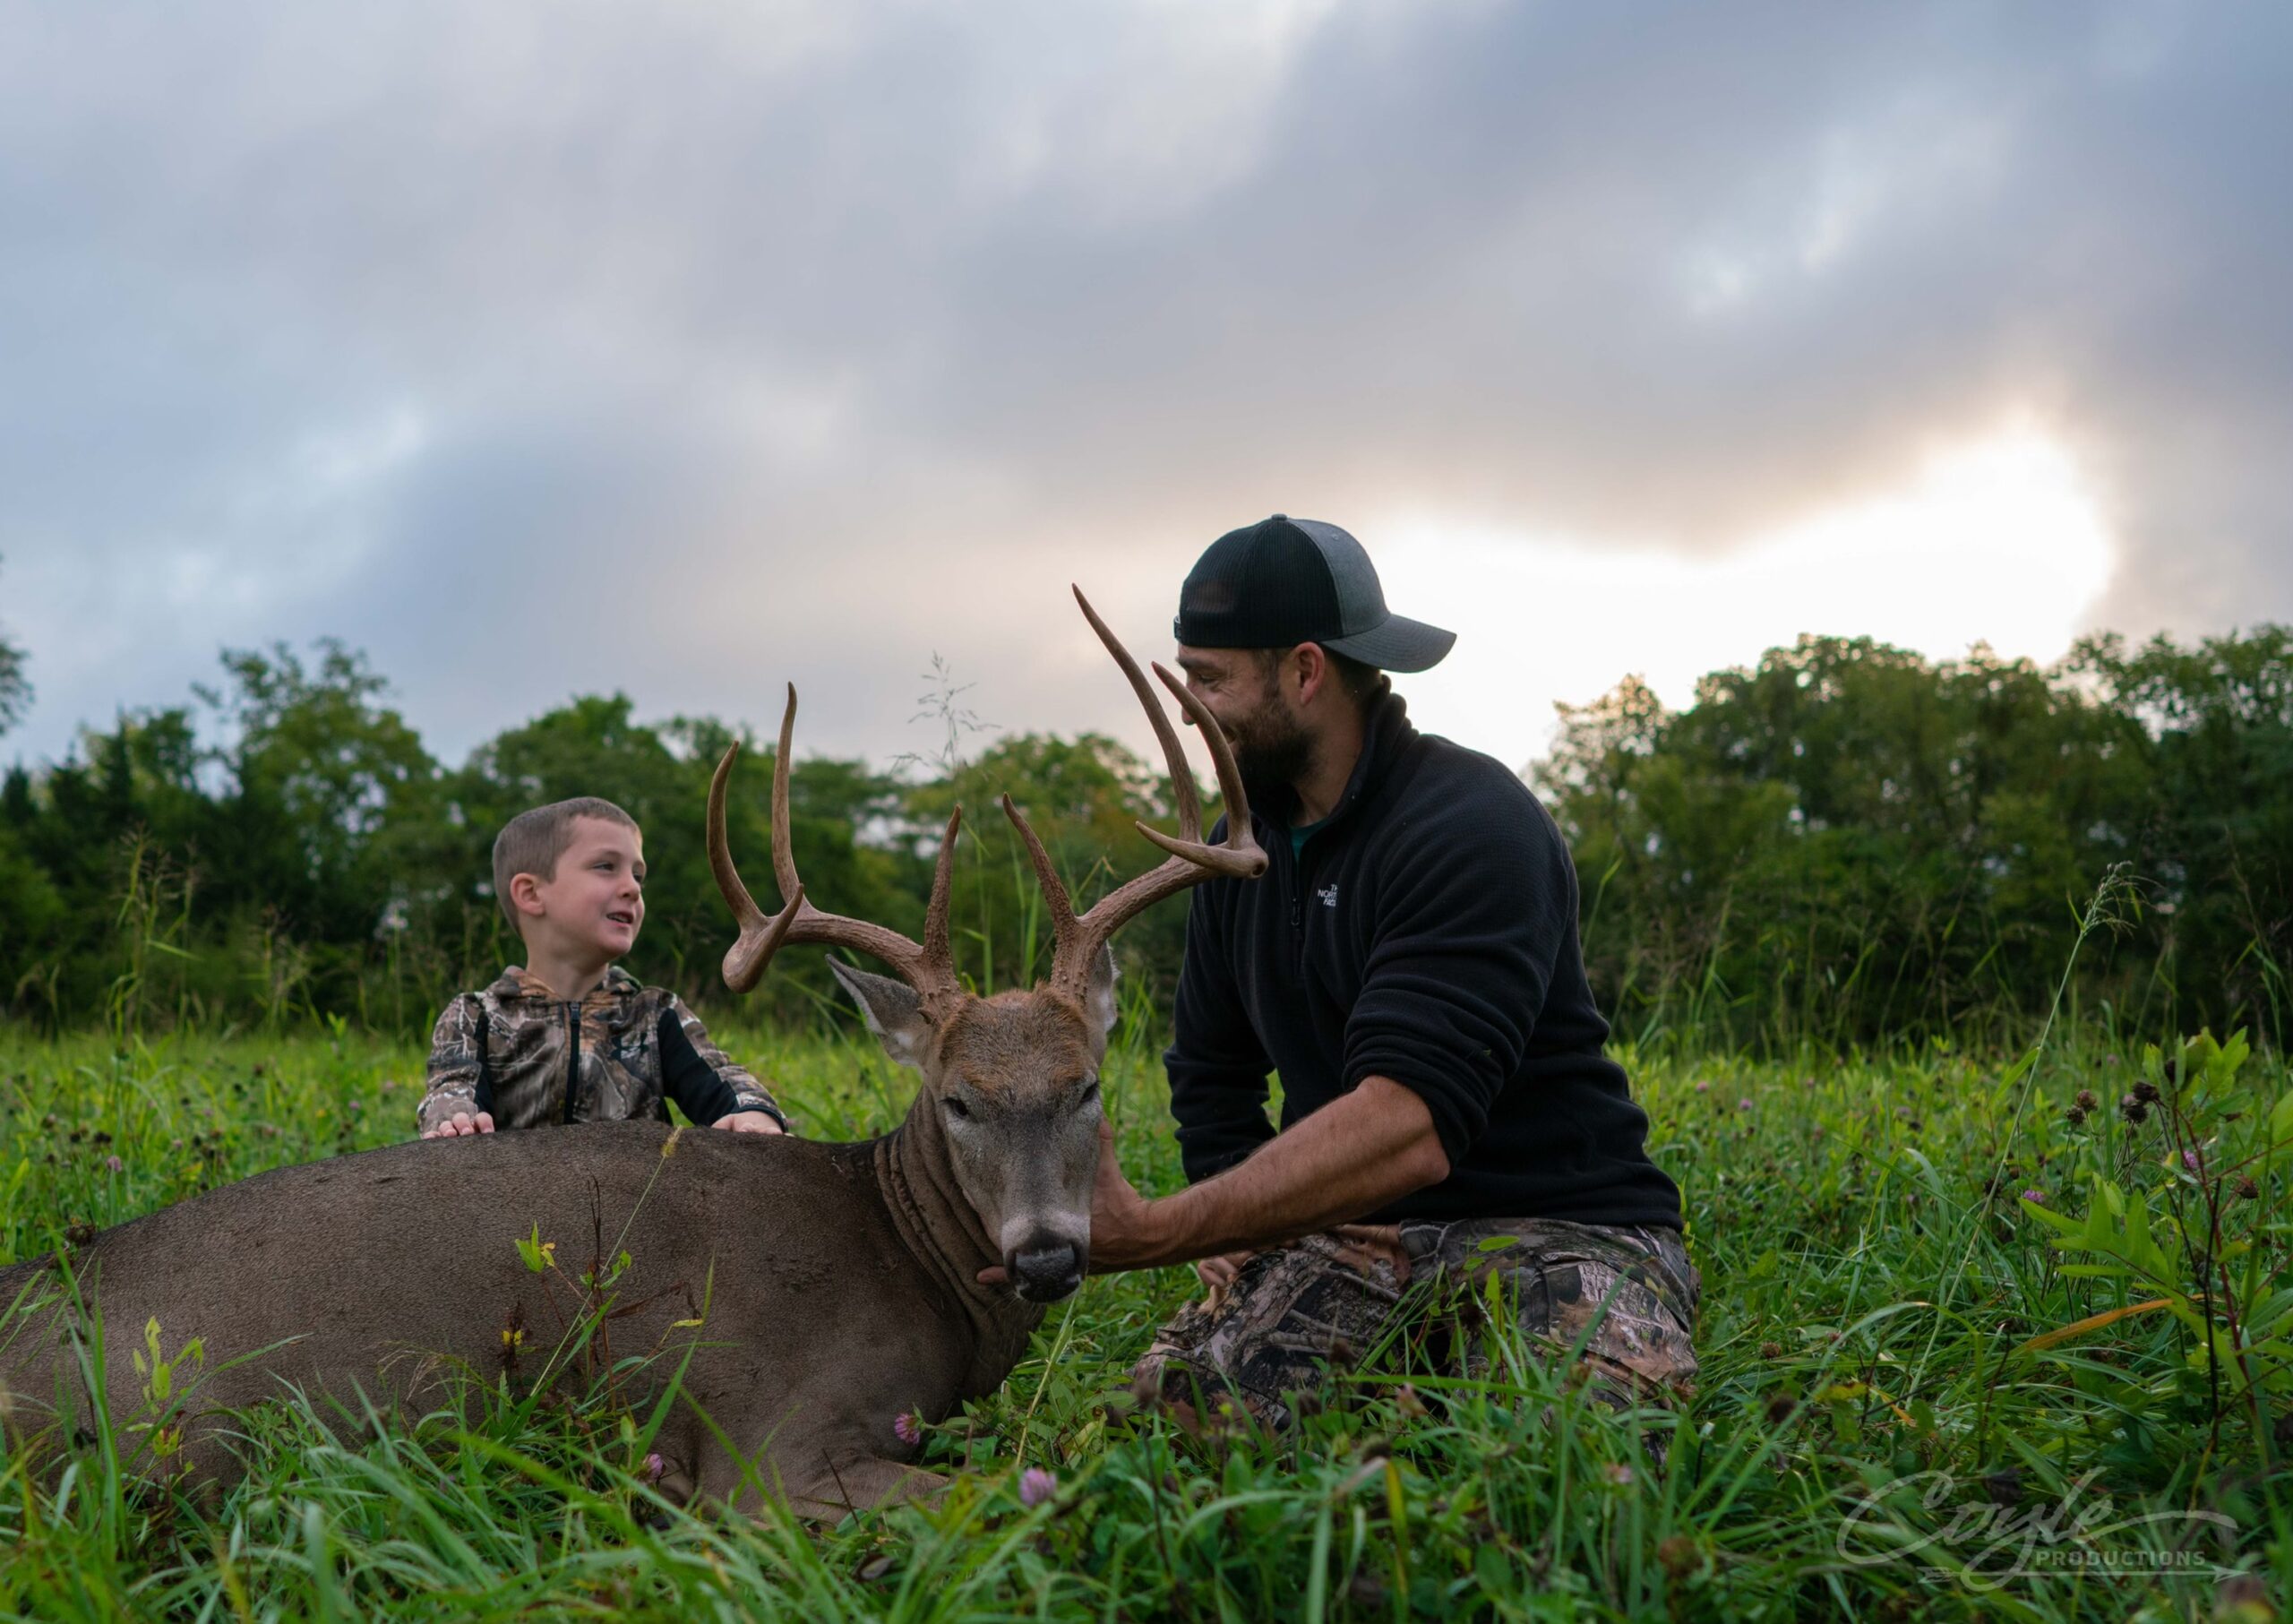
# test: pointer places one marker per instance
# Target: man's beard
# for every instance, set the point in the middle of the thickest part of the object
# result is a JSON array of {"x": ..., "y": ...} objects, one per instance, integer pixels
[{"x": 1270, "y": 745}]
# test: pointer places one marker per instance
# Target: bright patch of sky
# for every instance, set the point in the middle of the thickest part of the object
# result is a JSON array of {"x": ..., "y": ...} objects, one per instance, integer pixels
[{"x": 1997, "y": 540}]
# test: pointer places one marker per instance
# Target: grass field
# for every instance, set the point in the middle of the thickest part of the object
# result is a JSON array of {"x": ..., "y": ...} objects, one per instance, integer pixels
[{"x": 1881, "y": 1244}]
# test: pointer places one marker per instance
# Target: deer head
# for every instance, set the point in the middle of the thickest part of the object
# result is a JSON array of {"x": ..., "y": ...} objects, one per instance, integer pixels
[{"x": 1010, "y": 1084}]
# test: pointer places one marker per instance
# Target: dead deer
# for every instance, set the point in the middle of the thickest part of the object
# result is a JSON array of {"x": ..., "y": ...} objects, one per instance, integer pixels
[{"x": 822, "y": 1290}]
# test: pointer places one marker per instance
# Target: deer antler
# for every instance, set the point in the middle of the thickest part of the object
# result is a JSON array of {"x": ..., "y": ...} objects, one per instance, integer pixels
[
  {"x": 1077, "y": 941},
  {"x": 928, "y": 967}
]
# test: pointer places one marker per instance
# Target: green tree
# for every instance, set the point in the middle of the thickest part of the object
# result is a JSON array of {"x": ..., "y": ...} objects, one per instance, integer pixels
[
  {"x": 318, "y": 773},
  {"x": 2212, "y": 726}
]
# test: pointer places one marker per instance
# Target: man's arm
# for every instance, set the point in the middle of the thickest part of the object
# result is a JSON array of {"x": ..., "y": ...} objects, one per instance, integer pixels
[{"x": 1356, "y": 1155}]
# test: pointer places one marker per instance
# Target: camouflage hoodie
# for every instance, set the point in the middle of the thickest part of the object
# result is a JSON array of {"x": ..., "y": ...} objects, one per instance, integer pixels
[{"x": 534, "y": 1059}]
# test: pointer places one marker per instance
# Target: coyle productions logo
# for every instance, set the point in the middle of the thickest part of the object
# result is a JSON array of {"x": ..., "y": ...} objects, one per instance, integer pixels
[{"x": 1970, "y": 1537}]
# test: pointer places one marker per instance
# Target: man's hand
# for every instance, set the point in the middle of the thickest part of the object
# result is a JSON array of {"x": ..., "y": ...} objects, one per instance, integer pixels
[
  {"x": 1220, "y": 1272},
  {"x": 1125, "y": 1225},
  {"x": 747, "y": 1122},
  {"x": 462, "y": 1122}
]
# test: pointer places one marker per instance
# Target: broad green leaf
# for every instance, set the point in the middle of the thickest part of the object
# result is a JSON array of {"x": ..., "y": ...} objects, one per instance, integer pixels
[
  {"x": 2068, "y": 1225},
  {"x": 2281, "y": 1120},
  {"x": 2141, "y": 1250},
  {"x": 2186, "y": 1312}
]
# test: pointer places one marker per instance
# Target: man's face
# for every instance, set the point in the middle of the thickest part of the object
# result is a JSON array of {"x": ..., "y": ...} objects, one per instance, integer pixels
[
  {"x": 595, "y": 903},
  {"x": 1244, "y": 693}
]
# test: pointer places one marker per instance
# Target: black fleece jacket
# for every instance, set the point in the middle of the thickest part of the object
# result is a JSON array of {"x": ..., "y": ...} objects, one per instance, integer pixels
[{"x": 1425, "y": 932}]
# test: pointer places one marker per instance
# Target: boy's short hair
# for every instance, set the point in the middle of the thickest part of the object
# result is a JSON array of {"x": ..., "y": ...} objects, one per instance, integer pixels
[{"x": 533, "y": 841}]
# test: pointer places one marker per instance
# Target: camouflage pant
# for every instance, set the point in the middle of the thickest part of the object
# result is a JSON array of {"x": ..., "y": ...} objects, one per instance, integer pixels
[{"x": 1297, "y": 1311}]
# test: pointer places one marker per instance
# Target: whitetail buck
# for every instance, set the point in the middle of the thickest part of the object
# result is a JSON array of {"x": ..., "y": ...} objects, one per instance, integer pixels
[{"x": 836, "y": 1283}]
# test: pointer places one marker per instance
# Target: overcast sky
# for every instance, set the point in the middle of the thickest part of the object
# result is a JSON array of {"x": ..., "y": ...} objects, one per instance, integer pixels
[{"x": 687, "y": 350}]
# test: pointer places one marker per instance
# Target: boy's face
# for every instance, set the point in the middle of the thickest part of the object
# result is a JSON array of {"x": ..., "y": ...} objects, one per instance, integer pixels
[{"x": 595, "y": 901}]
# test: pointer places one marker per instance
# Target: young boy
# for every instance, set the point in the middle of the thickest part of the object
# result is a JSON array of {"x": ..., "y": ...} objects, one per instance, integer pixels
[{"x": 569, "y": 1036}]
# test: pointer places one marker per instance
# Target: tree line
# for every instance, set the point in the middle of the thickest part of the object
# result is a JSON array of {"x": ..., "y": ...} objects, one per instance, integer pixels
[
  {"x": 1845, "y": 844},
  {"x": 283, "y": 846}
]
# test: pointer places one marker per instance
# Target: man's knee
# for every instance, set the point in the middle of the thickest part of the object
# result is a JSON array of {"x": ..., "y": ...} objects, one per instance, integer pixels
[
  {"x": 1622, "y": 1300},
  {"x": 1263, "y": 1346}
]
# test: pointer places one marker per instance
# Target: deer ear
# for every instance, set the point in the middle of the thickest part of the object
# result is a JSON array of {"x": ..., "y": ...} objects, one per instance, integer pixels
[
  {"x": 1098, "y": 998},
  {"x": 892, "y": 1011}
]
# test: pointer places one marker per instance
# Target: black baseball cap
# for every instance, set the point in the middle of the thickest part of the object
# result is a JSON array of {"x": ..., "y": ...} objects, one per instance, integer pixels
[{"x": 1283, "y": 581}]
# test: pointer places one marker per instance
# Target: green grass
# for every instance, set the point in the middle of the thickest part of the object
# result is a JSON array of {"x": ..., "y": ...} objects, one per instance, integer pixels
[{"x": 1870, "y": 1271}]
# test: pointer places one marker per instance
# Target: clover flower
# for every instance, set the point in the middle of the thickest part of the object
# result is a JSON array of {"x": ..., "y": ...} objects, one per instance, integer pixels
[
  {"x": 1036, "y": 1485},
  {"x": 905, "y": 1428}
]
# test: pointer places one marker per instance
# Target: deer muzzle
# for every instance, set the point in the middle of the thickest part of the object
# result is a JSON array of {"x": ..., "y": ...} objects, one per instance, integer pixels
[{"x": 1046, "y": 1268}]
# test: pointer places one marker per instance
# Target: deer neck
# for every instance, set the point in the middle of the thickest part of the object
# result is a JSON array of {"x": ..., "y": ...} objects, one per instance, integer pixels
[{"x": 943, "y": 1232}]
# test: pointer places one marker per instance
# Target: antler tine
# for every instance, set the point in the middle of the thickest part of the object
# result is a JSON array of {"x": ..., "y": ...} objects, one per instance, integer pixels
[
  {"x": 761, "y": 936},
  {"x": 784, "y": 849},
  {"x": 1064, "y": 926},
  {"x": 1240, "y": 856},
  {"x": 937, "y": 953},
  {"x": 1182, "y": 781},
  {"x": 928, "y": 967},
  {"x": 1190, "y": 862}
]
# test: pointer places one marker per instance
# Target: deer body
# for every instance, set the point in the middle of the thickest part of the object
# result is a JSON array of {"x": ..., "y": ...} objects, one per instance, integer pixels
[
  {"x": 837, "y": 1281},
  {"x": 841, "y": 1282}
]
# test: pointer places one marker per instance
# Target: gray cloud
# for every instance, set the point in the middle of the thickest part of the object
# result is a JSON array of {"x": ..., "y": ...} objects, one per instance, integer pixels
[{"x": 688, "y": 350}]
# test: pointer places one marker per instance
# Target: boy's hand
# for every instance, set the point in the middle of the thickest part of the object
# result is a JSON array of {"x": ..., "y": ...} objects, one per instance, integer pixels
[
  {"x": 462, "y": 1122},
  {"x": 747, "y": 1122}
]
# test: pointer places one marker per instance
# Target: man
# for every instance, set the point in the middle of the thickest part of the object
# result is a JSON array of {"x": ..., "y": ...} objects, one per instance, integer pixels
[{"x": 1410, "y": 965}]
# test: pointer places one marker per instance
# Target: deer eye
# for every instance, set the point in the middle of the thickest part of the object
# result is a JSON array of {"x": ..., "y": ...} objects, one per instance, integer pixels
[
  {"x": 957, "y": 1109},
  {"x": 1088, "y": 1092}
]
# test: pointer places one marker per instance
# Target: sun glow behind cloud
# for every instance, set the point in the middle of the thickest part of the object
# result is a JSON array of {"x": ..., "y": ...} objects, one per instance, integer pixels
[{"x": 1997, "y": 540}]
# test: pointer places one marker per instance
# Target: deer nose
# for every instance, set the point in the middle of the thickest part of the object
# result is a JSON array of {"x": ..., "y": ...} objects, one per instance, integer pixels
[{"x": 1048, "y": 1273}]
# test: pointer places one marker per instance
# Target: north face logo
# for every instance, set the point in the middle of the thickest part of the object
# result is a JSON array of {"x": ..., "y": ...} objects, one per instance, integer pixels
[{"x": 1328, "y": 894}]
